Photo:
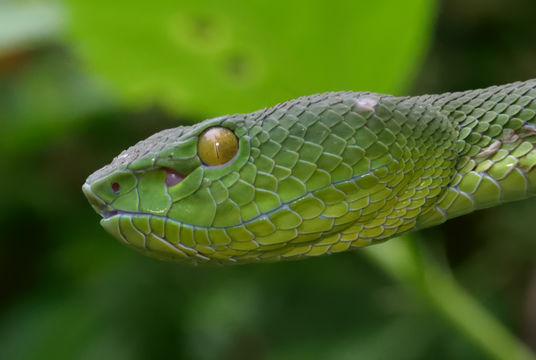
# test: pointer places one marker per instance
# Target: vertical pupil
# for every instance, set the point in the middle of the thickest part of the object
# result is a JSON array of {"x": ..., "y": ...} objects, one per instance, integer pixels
[{"x": 116, "y": 187}]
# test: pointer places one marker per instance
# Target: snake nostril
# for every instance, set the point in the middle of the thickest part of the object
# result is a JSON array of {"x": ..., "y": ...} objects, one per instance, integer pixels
[
  {"x": 116, "y": 187},
  {"x": 173, "y": 177}
]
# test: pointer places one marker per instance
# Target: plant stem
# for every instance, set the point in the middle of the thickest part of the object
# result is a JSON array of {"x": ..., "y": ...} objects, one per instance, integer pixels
[{"x": 423, "y": 276}]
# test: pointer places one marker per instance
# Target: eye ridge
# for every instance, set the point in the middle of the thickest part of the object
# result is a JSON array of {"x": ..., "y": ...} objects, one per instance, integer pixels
[{"x": 217, "y": 145}]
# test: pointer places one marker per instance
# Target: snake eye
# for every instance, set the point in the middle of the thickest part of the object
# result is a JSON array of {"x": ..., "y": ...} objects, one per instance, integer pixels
[{"x": 217, "y": 145}]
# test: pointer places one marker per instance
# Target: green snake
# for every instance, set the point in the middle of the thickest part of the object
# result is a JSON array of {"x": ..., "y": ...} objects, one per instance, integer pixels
[{"x": 319, "y": 174}]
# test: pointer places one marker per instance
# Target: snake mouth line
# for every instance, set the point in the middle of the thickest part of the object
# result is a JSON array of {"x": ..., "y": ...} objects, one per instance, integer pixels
[{"x": 109, "y": 213}]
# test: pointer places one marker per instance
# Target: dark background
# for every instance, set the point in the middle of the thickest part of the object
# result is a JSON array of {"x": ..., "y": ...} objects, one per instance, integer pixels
[{"x": 69, "y": 291}]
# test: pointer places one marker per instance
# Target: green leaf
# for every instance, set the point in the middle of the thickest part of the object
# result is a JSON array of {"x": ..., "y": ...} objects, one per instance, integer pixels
[{"x": 211, "y": 57}]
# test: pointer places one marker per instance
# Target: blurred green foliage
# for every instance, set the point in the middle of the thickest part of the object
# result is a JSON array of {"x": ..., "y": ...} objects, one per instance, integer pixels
[{"x": 71, "y": 292}]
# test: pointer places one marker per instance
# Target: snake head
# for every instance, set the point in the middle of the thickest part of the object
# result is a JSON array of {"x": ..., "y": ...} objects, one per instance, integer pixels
[
  {"x": 161, "y": 186},
  {"x": 315, "y": 175}
]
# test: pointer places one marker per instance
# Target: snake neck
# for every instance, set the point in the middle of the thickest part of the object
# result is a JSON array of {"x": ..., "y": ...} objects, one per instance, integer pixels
[{"x": 495, "y": 146}]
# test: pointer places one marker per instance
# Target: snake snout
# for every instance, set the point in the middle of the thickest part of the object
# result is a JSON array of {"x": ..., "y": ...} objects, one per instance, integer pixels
[{"x": 96, "y": 203}]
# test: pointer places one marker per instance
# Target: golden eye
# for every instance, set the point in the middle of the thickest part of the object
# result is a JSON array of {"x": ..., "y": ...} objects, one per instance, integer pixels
[{"x": 217, "y": 145}]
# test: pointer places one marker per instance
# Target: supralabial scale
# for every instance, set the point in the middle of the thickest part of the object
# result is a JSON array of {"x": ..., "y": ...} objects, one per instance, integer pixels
[{"x": 319, "y": 174}]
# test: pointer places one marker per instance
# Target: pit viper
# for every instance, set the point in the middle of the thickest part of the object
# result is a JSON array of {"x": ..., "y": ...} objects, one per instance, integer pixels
[{"x": 318, "y": 174}]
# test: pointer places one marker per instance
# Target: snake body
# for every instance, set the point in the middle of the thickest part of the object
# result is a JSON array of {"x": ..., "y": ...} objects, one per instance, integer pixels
[{"x": 321, "y": 174}]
